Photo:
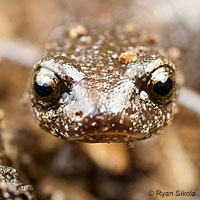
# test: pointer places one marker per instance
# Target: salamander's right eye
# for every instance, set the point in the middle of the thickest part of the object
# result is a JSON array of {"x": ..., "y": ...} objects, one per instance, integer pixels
[
  {"x": 46, "y": 86},
  {"x": 43, "y": 90}
]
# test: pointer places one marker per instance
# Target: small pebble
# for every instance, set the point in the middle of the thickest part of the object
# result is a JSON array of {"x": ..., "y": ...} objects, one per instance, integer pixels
[{"x": 128, "y": 57}]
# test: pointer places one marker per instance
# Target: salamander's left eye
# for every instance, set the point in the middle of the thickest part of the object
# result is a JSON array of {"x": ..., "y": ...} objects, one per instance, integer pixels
[{"x": 161, "y": 85}]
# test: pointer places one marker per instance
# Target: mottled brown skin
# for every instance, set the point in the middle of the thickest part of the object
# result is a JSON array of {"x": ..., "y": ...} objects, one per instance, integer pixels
[
  {"x": 98, "y": 94},
  {"x": 11, "y": 188}
]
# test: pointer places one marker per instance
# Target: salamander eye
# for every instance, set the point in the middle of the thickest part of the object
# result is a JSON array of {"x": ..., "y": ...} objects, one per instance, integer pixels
[
  {"x": 161, "y": 85},
  {"x": 46, "y": 86},
  {"x": 43, "y": 90},
  {"x": 163, "y": 88}
]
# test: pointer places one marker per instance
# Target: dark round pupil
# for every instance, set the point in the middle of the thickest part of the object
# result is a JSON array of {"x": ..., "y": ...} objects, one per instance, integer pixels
[
  {"x": 163, "y": 89},
  {"x": 43, "y": 90}
]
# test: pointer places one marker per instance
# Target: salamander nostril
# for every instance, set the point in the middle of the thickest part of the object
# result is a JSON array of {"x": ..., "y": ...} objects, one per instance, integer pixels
[{"x": 79, "y": 113}]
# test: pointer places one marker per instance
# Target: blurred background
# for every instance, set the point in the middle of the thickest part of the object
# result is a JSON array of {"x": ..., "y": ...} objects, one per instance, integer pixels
[{"x": 62, "y": 171}]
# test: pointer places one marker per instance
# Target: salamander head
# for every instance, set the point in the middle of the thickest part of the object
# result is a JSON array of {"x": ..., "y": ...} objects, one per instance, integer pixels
[{"x": 97, "y": 92}]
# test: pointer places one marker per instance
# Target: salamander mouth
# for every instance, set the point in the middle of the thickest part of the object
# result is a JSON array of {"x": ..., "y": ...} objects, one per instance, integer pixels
[{"x": 109, "y": 137}]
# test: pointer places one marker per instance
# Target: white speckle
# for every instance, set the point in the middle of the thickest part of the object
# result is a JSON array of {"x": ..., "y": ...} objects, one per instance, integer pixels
[
  {"x": 144, "y": 95},
  {"x": 76, "y": 128},
  {"x": 168, "y": 115},
  {"x": 110, "y": 68},
  {"x": 94, "y": 123},
  {"x": 95, "y": 47},
  {"x": 146, "y": 130},
  {"x": 86, "y": 39},
  {"x": 66, "y": 127},
  {"x": 105, "y": 128},
  {"x": 114, "y": 56}
]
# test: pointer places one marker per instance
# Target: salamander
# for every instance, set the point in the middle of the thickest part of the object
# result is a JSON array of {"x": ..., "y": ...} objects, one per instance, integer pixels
[{"x": 102, "y": 83}]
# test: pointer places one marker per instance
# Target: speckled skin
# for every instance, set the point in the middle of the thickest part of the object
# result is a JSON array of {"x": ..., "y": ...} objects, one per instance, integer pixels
[
  {"x": 100, "y": 98},
  {"x": 11, "y": 187}
]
